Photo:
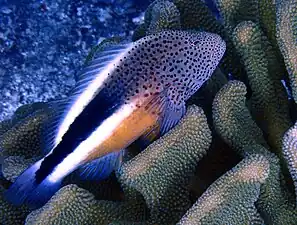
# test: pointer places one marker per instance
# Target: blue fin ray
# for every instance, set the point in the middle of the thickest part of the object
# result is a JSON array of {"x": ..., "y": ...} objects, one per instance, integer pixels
[
  {"x": 101, "y": 168},
  {"x": 25, "y": 190}
]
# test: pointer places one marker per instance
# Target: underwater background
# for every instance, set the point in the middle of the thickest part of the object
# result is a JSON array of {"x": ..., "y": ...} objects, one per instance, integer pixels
[
  {"x": 232, "y": 159},
  {"x": 44, "y": 43}
]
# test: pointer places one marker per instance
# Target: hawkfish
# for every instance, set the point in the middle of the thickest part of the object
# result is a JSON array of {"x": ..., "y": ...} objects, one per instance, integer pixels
[{"x": 126, "y": 93}]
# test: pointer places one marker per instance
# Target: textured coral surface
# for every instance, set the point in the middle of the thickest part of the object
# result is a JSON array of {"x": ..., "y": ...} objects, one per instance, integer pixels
[{"x": 230, "y": 160}]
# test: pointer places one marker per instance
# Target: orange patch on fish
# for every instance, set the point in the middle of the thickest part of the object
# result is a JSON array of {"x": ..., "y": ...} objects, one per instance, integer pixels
[{"x": 137, "y": 123}]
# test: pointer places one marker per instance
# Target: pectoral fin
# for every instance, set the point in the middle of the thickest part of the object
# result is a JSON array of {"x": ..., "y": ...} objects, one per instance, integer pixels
[{"x": 171, "y": 116}]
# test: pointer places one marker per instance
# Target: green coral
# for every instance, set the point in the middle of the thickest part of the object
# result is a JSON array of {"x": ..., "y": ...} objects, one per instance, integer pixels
[
  {"x": 286, "y": 37},
  {"x": 231, "y": 199},
  {"x": 235, "y": 125},
  {"x": 13, "y": 166},
  {"x": 162, "y": 15},
  {"x": 290, "y": 152},
  {"x": 269, "y": 102},
  {"x": 235, "y": 11},
  {"x": 26, "y": 110},
  {"x": 5, "y": 126},
  {"x": 15, "y": 141},
  {"x": 74, "y": 205}
]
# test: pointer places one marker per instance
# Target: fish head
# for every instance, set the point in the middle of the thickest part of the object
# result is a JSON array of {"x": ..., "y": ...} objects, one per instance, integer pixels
[
  {"x": 188, "y": 60},
  {"x": 200, "y": 54},
  {"x": 209, "y": 48}
]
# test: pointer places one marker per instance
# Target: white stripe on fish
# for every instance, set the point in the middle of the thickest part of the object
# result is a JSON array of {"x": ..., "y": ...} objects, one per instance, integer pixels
[
  {"x": 86, "y": 96},
  {"x": 103, "y": 132}
]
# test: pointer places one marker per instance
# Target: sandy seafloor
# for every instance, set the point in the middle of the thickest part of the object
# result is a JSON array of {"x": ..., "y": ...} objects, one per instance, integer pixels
[{"x": 43, "y": 44}]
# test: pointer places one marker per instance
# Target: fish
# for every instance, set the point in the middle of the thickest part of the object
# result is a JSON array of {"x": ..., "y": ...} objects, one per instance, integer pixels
[{"x": 128, "y": 92}]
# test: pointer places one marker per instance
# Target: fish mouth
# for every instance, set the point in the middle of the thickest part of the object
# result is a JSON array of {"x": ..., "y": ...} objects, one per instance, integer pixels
[{"x": 223, "y": 46}]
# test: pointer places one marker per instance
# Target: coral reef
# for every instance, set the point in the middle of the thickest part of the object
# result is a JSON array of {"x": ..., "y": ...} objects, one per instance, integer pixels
[
  {"x": 234, "y": 123},
  {"x": 230, "y": 160},
  {"x": 231, "y": 199}
]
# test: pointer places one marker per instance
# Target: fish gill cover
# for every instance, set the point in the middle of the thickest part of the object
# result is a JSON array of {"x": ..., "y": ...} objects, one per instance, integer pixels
[{"x": 230, "y": 160}]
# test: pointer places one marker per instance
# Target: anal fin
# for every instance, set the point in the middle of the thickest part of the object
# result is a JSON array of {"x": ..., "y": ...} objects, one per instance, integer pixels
[{"x": 101, "y": 168}]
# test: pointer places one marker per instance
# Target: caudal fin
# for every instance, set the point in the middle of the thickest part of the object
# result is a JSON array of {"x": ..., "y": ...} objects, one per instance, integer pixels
[{"x": 25, "y": 190}]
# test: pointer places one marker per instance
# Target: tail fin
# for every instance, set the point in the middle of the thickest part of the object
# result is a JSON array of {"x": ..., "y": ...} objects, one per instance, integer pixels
[{"x": 25, "y": 190}]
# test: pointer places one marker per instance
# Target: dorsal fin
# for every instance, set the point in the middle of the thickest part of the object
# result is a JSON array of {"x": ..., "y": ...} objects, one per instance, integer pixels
[
  {"x": 108, "y": 55},
  {"x": 97, "y": 64}
]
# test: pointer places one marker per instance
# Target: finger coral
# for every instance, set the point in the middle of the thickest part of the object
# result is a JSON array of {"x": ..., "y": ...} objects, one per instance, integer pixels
[
  {"x": 232, "y": 161},
  {"x": 231, "y": 199},
  {"x": 236, "y": 11},
  {"x": 290, "y": 152},
  {"x": 15, "y": 140},
  {"x": 13, "y": 166},
  {"x": 269, "y": 103},
  {"x": 235, "y": 125},
  {"x": 9, "y": 214},
  {"x": 74, "y": 205},
  {"x": 286, "y": 37},
  {"x": 162, "y": 15}
]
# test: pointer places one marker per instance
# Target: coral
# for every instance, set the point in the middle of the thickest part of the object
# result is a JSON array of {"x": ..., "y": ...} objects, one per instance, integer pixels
[
  {"x": 74, "y": 205},
  {"x": 15, "y": 141},
  {"x": 290, "y": 152},
  {"x": 161, "y": 172},
  {"x": 286, "y": 37},
  {"x": 13, "y": 166},
  {"x": 269, "y": 102},
  {"x": 9, "y": 214},
  {"x": 232, "y": 118},
  {"x": 26, "y": 110},
  {"x": 235, "y": 125},
  {"x": 231, "y": 199},
  {"x": 236, "y": 11},
  {"x": 195, "y": 15},
  {"x": 5, "y": 126},
  {"x": 162, "y": 15}
]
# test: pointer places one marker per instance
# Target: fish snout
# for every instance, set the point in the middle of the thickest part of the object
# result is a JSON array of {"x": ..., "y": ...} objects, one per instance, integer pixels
[{"x": 219, "y": 47}]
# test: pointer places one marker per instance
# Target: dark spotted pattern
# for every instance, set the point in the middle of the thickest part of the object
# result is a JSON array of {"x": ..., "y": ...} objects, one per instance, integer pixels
[{"x": 178, "y": 62}]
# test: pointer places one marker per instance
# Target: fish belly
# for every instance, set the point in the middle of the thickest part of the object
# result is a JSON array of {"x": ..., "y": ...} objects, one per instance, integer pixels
[{"x": 130, "y": 128}]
